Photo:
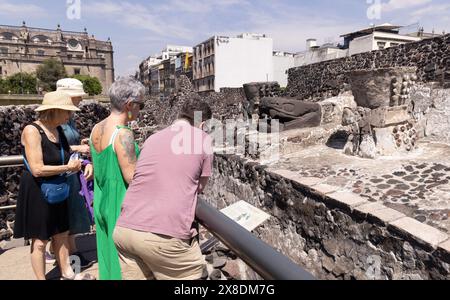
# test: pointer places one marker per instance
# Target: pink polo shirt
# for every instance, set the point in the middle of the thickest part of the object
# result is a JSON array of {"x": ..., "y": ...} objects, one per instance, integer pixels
[{"x": 163, "y": 194}]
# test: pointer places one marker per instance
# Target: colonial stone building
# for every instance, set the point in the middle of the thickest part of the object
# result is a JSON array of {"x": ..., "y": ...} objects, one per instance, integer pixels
[{"x": 23, "y": 49}]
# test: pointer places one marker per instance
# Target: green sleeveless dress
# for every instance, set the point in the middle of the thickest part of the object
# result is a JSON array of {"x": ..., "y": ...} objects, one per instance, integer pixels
[{"x": 109, "y": 192}]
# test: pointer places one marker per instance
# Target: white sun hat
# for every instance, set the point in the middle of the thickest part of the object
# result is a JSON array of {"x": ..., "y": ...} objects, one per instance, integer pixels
[
  {"x": 57, "y": 100},
  {"x": 71, "y": 86}
]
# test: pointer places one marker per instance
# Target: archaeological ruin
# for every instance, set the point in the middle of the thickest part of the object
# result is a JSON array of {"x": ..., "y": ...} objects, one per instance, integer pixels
[{"x": 360, "y": 187}]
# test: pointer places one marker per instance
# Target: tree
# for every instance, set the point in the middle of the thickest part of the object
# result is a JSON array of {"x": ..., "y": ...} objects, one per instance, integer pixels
[
  {"x": 3, "y": 87},
  {"x": 21, "y": 83},
  {"x": 49, "y": 73},
  {"x": 91, "y": 85}
]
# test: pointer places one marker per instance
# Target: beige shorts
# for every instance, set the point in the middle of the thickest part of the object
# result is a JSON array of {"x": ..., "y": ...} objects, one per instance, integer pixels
[{"x": 163, "y": 257}]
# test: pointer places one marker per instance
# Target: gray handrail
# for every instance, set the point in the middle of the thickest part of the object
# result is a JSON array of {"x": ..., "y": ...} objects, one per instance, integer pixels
[
  {"x": 11, "y": 161},
  {"x": 265, "y": 260}
]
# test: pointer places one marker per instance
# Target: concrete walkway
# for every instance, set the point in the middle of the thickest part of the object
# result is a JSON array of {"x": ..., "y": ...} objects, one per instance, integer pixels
[{"x": 15, "y": 263}]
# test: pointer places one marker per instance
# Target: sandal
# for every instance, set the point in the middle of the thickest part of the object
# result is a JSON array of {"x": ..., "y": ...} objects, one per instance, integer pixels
[{"x": 79, "y": 277}]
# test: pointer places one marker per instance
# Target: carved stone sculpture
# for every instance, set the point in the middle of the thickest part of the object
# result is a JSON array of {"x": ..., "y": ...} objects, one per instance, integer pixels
[
  {"x": 291, "y": 113},
  {"x": 255, "y": 91},
  {"x": 382, "y": 123}
]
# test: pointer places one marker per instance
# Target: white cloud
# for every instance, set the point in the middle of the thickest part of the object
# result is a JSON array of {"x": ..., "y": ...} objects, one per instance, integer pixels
[
  {"x": 196, "y": 6},
  {"x": 432, "y": 10},
  {"x": 290, "y": 32},
  {"x": 14, "y": 10},
  {"x": 393, "y": 5},
  {"x": 138, "y": 17}
]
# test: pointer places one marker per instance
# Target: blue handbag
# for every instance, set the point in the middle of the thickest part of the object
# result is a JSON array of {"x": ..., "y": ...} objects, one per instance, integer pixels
[{"x": 54, "y": 190}]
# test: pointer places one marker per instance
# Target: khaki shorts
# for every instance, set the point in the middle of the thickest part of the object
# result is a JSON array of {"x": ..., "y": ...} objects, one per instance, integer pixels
[{"x": 159, "y": 256}]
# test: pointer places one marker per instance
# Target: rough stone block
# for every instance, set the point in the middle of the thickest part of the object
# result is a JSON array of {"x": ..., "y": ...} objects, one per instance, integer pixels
[
  {"x": 308, "y": 181},
  {"x": 386, "y": 215},
  {"x": 445, "y": 246},
  {"x": 385, "y": 141},
  {"x": 421, "y": 97},
  {"x": 348, "y": 198},
  {"x": 325, "y": 188},
  {"x": 438, "y": 125},
  {"x": 385, "y": 116},
  {"x": 441, "y": 99},
  {"x": 417, "y": 230},
  {"x": 283, "y": 173},
  {"x": 370, "y": 207}
]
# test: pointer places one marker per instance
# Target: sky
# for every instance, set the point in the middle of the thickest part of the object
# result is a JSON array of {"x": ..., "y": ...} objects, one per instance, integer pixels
[{"x": 140, "y": 28}]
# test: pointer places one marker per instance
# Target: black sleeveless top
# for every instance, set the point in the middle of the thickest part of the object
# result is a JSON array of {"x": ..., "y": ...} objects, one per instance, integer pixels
[{"x": 51, "y": 152}]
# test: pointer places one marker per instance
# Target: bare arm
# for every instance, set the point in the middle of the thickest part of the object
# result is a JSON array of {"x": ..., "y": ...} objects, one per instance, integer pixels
[
  {"x": 31, "y": 140},
  {"x": 126, "y": 154},
  {"x": 202, "y": 184},
  {"x": 84, "y": 149}
]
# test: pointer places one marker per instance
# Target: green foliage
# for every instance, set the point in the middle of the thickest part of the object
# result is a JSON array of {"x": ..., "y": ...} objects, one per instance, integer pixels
[
  {"x": 3, "y": 87},
  {"x": 19, "y": 83},
  {"x": 91, "y": 85},
  {"x": 49, "y": 73}
]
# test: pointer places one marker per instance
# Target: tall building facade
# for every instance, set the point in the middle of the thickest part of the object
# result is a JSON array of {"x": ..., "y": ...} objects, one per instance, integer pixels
[
  {"x": 223, "y": 61},
  {"x": 159, "y": 72},
  {"x": 23, "y": 49}
]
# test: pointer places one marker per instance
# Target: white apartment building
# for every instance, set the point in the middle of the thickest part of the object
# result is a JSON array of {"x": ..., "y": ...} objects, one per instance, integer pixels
[
  {"x": 376, "y": 38},
  {"x": 223, "y": 61},
  {"x": 282, "y": 61},
  {"x": 364, "y": 40},
  {"x": 173, "y": 50}
]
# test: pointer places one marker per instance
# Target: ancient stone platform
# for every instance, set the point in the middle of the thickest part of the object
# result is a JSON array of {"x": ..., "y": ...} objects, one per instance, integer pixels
[{"x": 416, "y": 184}]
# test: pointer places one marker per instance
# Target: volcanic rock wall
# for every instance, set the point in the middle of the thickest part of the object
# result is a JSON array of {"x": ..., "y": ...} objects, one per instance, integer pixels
[
  {"x": 330, "y": 238},
  {"x": 326, "y": 79}
]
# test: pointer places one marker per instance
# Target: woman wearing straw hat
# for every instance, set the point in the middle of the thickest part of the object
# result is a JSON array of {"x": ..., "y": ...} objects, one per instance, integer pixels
[{"x": 42, "y": 211}]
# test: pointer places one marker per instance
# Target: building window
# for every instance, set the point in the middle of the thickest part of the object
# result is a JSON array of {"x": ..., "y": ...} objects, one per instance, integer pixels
[
  {"x": 76, "y": 71},
  {"x": 79, "y": 56},
  {"x": 381, "y": 45},
  {"x": 4, "y": 50},
  {"x": 7, "y": 36},
  {"x": 394, "y": 44},
  {"x": 40, "y": 52}
]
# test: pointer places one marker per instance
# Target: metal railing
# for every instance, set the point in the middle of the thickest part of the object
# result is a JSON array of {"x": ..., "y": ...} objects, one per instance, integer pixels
[
  {"x": 11, "y": 161},
  {"x": 265, "y": 260}
]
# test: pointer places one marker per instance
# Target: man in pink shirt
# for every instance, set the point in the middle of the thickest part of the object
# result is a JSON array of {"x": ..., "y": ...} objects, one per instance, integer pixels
[{"x": 155, "y": 228}]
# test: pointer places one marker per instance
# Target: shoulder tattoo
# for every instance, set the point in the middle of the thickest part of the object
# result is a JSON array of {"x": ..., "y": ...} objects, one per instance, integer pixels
[{"x": 126, "y": 139}]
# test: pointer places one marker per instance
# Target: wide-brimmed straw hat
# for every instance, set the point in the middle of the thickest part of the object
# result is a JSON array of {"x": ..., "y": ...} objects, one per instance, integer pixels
[
  {"x": 57, "y": 100},
  {"x": 71, "y": 86}
]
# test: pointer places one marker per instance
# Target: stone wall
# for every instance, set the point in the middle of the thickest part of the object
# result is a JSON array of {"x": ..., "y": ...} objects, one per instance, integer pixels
[
  {"x": 431, "y": 110},
  {"x": 332, "y": 235},
  {"x": 329, "y": 78},
  {"x": 228, "y": 104}
]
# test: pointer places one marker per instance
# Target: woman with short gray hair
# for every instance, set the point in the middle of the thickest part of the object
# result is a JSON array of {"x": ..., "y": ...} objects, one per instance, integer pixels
[{"x": 114, "y": 154}]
